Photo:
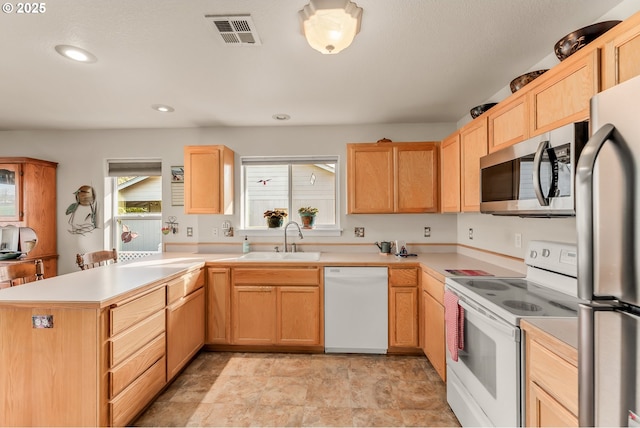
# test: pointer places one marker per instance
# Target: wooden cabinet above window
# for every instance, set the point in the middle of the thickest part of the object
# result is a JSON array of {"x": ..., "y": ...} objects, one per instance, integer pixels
[
  {"x": 208, "y": 180},
  {"x": 386, "y": 178}
]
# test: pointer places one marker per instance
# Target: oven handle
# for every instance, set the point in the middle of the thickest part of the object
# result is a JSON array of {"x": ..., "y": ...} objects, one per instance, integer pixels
[{"x": 490, "y": 321}]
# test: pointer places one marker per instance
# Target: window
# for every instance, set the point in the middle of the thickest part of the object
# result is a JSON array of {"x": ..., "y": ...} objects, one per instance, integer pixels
[
  {"x": 287, "y": 184},
  {"x": 135, "y": 210}
]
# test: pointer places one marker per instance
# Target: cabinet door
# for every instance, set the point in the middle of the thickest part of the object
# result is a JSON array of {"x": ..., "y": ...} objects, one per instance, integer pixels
[
  {"x": 185, "y": 331},
  {"x": 563, "y": 97},
  {"x": 254, "y": 315},
  {"x": 450, "y": 174},
  {"x": 10, "y": 192},
  {"x": 621, "y": 53},
  {"x": 208, "y": 180},
  {"x": 434, "y": 333},
  {"x": 370, "y": 179},
  {"x": 545, "y": 411},
  {"x": 218, "y": 306},
  {"x": 403, "y": 317},
  {"x": 473, "y": 142},
  {"x": 416, "y": 178},
  {"x": 298, "y": 315},
  {"x": 508, "y": 122}
]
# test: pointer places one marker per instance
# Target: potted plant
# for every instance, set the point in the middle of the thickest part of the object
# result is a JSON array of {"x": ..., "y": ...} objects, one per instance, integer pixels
[
  {"x": 308, "y": 216},
  {"x": 274, "y": 218}
]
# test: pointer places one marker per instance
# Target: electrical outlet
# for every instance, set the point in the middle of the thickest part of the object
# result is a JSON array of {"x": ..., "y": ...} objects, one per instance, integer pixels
[
  {"x": 427, "y": 232},
  {"x": 518, "y": 240},
  {"x": 470, "y": 233},
  {"x": 358, "y": 232},
  {"x": 214, "y": 232},
  {"x": 189, "y": 231}
]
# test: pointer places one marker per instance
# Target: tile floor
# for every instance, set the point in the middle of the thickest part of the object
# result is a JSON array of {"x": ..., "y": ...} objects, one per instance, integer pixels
[{"x": 251, "y": 389}]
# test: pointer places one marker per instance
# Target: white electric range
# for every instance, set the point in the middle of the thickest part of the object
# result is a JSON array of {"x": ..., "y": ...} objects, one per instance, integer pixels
[{"x": 485, "y": 380}]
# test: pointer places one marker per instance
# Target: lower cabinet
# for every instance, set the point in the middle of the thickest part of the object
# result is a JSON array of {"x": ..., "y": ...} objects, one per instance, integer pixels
[
  {"x": 433, "y": 327},
  {"x": 551, "y": 380},
  {"x": 403, "y": 307},
  {"x": 218, "y": 306},
  {"x": 277, "y": 307},
  {"x": 185, "y": 331}
]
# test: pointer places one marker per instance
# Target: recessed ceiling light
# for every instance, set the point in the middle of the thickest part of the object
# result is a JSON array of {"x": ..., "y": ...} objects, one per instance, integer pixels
[
  {"x": 163, "y": 108},
  {"x": 281, "y": 116},
  {"x": 75, "y": 53}
]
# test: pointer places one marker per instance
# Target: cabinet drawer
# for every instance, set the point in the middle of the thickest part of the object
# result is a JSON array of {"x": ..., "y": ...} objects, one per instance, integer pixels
[
  {"x": 403, "y": 277},
  {"x": 121, "y": 376},
  {"x": 125, "y": 344},
  {"x": 277, "y": 276},
  {"x": 123, "y": 317},
  {"x": 133, "y": 399},
  {"x": 555, "y": 375},
  {"x": 434, "y": 287},
  {"x": 184, "y": 285}
]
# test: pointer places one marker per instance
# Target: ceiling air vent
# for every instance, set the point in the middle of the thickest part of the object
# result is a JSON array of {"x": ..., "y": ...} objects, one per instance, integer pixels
[{"x": 235, "y": 29}]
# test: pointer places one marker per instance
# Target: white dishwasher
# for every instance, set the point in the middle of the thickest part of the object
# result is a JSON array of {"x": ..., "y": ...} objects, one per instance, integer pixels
[{"x": 356, "y": 310}]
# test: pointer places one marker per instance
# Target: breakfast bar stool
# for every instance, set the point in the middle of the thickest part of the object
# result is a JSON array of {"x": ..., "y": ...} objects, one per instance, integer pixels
[
  {"x": 20, "y": 273},
  {"x": 97, "y": 258}
]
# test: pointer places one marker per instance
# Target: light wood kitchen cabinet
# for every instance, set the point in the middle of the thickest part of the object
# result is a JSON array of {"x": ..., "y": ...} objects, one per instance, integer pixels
[
  {"x": 392, "y": 178},
  {"x": 509, "y": 121},
  {"x": 185, "y": 320},
  {"x": 433, "y": 326},
  {"x": 277, "y": 307},
  {"x": 562, "y": 97},
  {"x": 34, "y": 206},
  {"x": 218, "y": 306},
  {"x": 208, "y": 180},
  {"x": 403, "y": 308},
  {"x": 450, "y": 173},
  {"x": 551, "y": 378},
  {"x": 473, "y": 143},
  {"x": 621, "y": 52}
]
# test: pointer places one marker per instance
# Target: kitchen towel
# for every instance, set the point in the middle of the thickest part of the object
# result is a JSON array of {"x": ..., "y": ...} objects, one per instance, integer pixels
[{"x": 454, "y": 321}]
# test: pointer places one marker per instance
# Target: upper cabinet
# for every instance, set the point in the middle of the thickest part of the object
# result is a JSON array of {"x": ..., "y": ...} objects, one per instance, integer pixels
[
  {"x": 473, "y": 145},
  {"x": 392, "y": 178},
  {"x": 562, "y": 95},
  {"x": 11, "y": 196},
  {"x": 450, "y": 181},
  {"x": 621, "y": 52},
  {"x": 28, "y": 199},
  {"x": 508, "y": 122},
  {"x": 208, "y": 180}
]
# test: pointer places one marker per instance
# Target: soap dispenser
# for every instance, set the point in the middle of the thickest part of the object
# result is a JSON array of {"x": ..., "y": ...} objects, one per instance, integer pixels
[{"x": 245, "y": 245}]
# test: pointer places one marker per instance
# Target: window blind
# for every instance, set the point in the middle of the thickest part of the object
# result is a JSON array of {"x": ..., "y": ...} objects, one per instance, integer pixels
[{"x": 130, "y": 167}]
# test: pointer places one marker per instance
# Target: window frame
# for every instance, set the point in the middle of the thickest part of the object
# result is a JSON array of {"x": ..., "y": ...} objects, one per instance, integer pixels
[{"x": 318, "y": 230}]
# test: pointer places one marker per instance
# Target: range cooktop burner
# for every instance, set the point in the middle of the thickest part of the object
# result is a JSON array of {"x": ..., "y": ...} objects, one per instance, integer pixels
[
  {"x": 522, "y": 306},
  {"x": 487, "y": 285}
]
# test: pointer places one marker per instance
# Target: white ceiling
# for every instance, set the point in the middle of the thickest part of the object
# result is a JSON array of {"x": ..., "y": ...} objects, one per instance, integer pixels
[{"x": 414, "y": 61}]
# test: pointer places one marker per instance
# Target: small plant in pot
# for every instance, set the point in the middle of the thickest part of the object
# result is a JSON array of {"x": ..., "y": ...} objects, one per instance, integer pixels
[
  {"x": 308, "y": 216},
  {"x": 274, "y": 218}
]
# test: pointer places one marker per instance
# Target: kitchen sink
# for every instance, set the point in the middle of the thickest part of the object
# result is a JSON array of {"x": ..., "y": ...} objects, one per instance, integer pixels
[{"x": 272, "y": 256}]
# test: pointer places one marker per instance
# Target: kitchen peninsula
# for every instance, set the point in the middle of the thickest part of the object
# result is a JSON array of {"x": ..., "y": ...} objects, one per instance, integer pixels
[{"x": 95, "y": 347}]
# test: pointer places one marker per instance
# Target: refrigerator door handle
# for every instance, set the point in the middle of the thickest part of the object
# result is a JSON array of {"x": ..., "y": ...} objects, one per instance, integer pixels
[
  {"x": 586, "y": 361},
  {"x": 584, "y": 208}
]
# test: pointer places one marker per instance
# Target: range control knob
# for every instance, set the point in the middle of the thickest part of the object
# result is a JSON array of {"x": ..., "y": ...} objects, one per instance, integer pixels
[
  {"x": 533, "y": 254},
  {"x": 546, "y": 252}
]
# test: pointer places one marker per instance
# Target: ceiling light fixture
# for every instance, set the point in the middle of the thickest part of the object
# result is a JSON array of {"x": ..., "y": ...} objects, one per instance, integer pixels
[
  {"x": 162, "y": 108},
  {"x": 330, "y": 25},
  {"x": 281, "y": 116},
  {"x": 75, "y": 53}
]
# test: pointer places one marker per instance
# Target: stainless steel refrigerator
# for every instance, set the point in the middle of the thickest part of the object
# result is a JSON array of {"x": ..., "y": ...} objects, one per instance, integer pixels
[{"x": 608, "y": 221}]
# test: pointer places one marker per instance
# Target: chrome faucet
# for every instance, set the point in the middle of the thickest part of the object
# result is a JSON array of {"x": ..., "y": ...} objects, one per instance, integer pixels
[{"x": 285, "y": 234}]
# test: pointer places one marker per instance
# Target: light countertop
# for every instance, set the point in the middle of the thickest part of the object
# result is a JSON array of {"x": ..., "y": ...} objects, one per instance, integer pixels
[
  {"x": 563, "y": 329},
  {"x": 98, "y": 287}
]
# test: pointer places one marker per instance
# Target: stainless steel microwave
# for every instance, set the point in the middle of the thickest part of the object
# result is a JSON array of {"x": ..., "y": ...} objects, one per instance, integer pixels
[{"x": 534, "y": 178}]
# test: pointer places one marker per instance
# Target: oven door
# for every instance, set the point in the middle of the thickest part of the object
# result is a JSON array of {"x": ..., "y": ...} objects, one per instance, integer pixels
[{"x": 486, "y": 377}]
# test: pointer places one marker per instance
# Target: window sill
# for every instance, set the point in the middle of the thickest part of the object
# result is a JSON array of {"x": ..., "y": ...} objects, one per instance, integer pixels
[{"x": 280, "y": 231}]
